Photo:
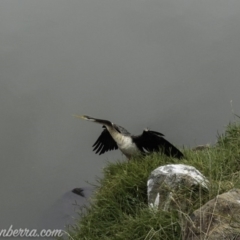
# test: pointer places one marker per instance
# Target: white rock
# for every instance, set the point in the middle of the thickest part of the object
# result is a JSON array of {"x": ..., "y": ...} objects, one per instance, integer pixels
[{"x": 172, "y": 177}]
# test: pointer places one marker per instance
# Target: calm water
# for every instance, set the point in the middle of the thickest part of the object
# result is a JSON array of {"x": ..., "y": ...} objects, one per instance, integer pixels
[{"x": 172, "y": 66}]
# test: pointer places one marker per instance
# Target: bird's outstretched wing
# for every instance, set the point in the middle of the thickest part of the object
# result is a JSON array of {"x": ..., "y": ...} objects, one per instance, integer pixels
[
  {"x": 104, "y": 143},
  {"x": 151, "y": 141}
]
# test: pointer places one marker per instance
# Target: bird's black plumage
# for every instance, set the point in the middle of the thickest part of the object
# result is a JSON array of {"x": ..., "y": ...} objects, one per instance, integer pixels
[
  {"x": 104, "y": 143},
  {"x": 151, "y": 141},
  {"x": 116, "y": 137}
]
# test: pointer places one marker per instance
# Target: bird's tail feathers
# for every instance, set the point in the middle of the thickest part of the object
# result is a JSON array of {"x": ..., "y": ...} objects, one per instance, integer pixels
[{"x": 170, "y": 150}]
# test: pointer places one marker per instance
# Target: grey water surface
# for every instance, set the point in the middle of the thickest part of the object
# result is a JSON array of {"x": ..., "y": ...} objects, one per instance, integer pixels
[{"x": 172, "y": 66}]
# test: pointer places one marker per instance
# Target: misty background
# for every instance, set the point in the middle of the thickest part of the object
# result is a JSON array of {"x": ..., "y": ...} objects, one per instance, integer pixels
[{"x": 172, "y": 66}]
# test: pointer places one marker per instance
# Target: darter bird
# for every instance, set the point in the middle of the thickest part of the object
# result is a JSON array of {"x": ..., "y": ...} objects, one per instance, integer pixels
[{"x": 114, "y": 136}]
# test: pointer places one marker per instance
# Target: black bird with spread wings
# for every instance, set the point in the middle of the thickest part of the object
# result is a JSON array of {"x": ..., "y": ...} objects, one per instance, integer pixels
[{"x": 114, "y": 137}]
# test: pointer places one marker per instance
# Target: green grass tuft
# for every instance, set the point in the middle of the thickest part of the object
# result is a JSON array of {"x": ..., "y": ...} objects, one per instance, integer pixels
[{"x": 119, "y": 207}]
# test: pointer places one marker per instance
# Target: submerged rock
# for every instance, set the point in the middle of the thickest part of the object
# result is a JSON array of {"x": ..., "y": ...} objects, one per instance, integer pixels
[
  {"x": 166, "y": 182},
  {"x": 217, "y": 219},
  {"x": 65, "y": 210},
  {"x": 79, "y": 191}
]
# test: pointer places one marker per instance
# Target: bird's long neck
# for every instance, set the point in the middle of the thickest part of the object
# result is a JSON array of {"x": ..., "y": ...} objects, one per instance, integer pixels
[
  {"x": 109, "y": 125},
  {"x": 96, "y": 120}
]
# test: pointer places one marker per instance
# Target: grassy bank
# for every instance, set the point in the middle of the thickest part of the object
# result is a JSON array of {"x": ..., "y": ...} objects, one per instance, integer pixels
[{"x": 119, "y": 208}]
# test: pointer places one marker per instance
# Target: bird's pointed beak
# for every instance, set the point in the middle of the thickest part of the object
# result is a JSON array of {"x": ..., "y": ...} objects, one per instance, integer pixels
[
  {"x": 85, "y": 117},
  {"x": 78, "y": 116}
]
